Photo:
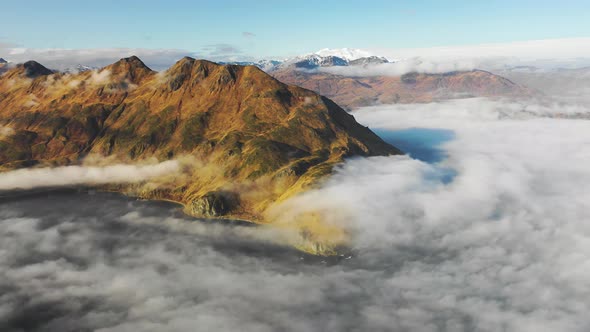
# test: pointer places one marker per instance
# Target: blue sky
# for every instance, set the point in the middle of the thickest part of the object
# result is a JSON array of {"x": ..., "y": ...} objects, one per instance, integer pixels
[{"x": 280, "y": 28}]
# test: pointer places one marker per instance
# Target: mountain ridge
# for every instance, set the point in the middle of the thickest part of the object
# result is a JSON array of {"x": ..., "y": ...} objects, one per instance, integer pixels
[{"x": 252, "y": 140}]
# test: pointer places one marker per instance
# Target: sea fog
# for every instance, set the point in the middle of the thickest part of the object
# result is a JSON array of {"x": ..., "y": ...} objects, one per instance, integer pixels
[{"x": 483, "y": 226}]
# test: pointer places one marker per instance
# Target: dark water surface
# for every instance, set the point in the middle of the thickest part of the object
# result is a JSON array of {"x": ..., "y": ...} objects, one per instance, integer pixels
[
  {"x": 423, "y": 144},
  {"x": 419, "y": 143}
]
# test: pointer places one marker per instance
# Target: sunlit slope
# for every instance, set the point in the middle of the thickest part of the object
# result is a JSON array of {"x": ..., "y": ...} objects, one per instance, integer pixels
[{"x": 245, "y": 139}]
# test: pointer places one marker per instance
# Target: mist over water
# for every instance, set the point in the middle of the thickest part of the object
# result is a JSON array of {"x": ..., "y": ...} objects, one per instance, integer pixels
[
  {"x": 501, "y": 245},
  {"x": 422, "y": 144}
]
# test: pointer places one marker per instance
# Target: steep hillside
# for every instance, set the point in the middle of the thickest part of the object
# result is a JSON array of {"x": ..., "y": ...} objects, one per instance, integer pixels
[{"x": 251, "y": 139}]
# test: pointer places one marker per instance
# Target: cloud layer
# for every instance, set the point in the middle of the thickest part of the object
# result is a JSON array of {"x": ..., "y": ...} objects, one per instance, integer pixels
[
  {"x": 544, "y": 54},
  {"x": 157, "y": 59},
  {"x": 504, "y": 245},
  {"x": 568, "y": 52},
  {"x": 552, "y": 53},
  {"x": 417, "y": 64},
  {"x": 30, "y": 178}
]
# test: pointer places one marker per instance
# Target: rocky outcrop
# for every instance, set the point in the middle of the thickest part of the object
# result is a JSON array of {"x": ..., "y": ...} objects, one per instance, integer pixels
[{"x": 213, "y": 204}]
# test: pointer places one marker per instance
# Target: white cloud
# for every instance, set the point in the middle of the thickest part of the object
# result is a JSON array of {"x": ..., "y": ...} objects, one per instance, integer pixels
[
  {"x": 568, "y": 85},
  {"x": 6, "y": 131},
  {"x": 421, "y": 65},
  {"x": 503, "y": 246},
  {"x": 100, "y": 77},
  {"x": 157, "y": 59},
  {"x": 76, "y": 175},
  {"x": 552, "y": 53}
]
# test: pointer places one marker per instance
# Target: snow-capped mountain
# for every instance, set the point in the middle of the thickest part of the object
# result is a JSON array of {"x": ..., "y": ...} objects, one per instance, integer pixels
[
  {"x": 322, "y": 58},
  {"x": 266, "y": 65},
  {"x": 79, "y": 69},
  {"x": 313, "y": 61},
  {"x": 2, "y": 61},
  {"x": 368, "y": 61},
  {"x": 349, "y": 54}
]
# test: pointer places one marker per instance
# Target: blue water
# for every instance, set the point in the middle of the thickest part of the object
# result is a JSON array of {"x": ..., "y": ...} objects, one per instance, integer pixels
[
  {"x": 419, "y": 143},
  {"x": 423, "y": 144}
]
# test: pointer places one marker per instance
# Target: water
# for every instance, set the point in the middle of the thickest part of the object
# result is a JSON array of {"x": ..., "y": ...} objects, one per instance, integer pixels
[
  {"x": 419, "y": 143},
  {"x": 423, "y": 144}
]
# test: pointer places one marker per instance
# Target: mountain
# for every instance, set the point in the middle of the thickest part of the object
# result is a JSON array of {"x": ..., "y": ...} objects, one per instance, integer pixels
[
  {"x": 79, "y": 68},
  {"x": 330, "y": 72},
  {"x": 368, "y": 61},
  {"x": 29, "y": 69},
  {"x": 250, "y": 139},
  {"x": 322, "y": 58},
  {"x": 266, "y": 65},
  {"x": 315, "y": 61},
  {"x": 351, "y": 77},
  {"x": 352, "y": 92},
  {"x": 310, "y": 62},
  {"x": 3, "y": 66}
]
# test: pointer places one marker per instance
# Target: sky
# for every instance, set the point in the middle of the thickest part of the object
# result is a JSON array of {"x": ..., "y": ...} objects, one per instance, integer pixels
[{"x": 284, "y": 28}]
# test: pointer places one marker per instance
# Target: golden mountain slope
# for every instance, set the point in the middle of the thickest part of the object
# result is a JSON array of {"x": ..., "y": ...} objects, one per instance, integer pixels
[
  {"x": 353, "y": 92},
  {"x": 251, "y": 139}
]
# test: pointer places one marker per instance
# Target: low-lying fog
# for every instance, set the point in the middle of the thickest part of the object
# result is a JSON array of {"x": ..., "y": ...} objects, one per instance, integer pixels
[{"x": 486, "y": 230}]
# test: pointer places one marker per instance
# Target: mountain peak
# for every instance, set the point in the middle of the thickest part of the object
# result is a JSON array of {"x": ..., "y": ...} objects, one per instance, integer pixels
[
  {"x": 2, "y": 61},
  {"x": 33, "y": 69},
  {"x": 186, "y": 63},
  {"x": 188, "y": 69},
  {"x": 131, "y": 68},
  {"x": 132, "y": 62}
]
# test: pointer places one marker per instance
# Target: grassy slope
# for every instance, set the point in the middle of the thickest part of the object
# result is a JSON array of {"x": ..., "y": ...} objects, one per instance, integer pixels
[{"x": 246, "y": 141}]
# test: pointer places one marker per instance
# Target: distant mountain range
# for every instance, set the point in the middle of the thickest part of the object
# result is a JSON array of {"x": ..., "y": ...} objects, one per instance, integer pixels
[
  {"x": 353, "y": 92},
  {"x": 319, "y": 72},
  {"x": 322, "y": 58},
  {"x": 312, "y": 71}
]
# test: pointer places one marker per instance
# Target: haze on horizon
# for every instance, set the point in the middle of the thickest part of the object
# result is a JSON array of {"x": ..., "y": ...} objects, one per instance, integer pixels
[{"x": 231, "y": 30}]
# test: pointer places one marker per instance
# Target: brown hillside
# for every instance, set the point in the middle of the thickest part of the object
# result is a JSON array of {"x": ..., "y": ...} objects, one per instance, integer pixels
[
  {"x": 354, "y": 92},
  {"x": 253, "y": 139}
]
